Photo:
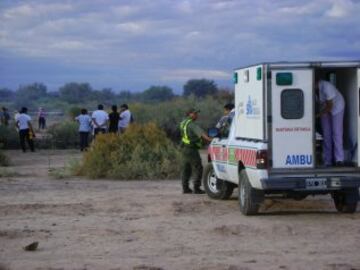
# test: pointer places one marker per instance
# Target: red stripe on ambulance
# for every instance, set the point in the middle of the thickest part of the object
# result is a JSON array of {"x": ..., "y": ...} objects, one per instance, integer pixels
[{"x": 247, "y": 156}]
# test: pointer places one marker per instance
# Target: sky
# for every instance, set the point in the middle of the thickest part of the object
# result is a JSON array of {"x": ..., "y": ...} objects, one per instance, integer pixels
[{"x": 134, "y": 44}]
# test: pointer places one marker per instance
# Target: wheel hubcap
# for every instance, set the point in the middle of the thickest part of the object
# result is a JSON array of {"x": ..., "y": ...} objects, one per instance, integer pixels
[{"x": 212, "y": 182}]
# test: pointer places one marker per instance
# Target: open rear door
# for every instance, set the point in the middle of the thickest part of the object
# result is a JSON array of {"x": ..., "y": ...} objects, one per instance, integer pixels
[
  {"x": 356, "y": 147},
  {"x": 292, "y": 137}
]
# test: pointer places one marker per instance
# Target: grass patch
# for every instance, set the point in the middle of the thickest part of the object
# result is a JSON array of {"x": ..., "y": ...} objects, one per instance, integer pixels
[
  {"x": 4, "y": 159},
  {"x": 68, "y": 171},
  {"x": 5, "y": 172}
]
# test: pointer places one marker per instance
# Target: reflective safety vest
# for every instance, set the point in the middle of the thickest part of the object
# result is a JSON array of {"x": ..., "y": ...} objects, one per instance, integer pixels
[{"x": 186, "y": 140}]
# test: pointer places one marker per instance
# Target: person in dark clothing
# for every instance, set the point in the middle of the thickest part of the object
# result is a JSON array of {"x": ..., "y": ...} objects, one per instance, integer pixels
[
  {"x": 41, "y": 118},
  {"x": 114, "y": 117},
  {"x": 191, "y": 141},
  {"x": 5, "y": 118},
  {"x": 23, "y": 123}
]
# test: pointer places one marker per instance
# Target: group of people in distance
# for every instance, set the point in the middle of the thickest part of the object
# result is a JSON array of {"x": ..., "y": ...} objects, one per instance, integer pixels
[
  {"x": 23, "y": 125},
  {"x": 102, "y": 122}
]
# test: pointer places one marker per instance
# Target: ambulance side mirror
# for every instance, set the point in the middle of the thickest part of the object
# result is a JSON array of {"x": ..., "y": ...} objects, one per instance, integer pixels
[{"x": 213, "y": 132}]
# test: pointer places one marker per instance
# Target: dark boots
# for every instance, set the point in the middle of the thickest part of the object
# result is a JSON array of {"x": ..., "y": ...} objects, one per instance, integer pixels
[
  {"x": 197, "y": 190},
  {"x": 187, "y": 190}
]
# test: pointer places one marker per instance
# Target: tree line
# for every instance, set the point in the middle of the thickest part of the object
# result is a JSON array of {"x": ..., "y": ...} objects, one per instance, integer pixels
[{"x": 32, "y": 95}]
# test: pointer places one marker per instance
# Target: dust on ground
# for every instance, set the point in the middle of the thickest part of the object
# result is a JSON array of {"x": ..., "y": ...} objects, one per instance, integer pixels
[{"x": 143, "y": 225}]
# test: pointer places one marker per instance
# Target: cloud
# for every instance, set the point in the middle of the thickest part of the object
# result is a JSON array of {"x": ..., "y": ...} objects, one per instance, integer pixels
[
  {"x": 168, "y": 40},
  {"x": 186, "y": 74},
  {"x": 185, "y": 7},
  {"x": 132, "y": 27},
  {"x": 125, "y": 10},
  {"x": 69, "y": 45},
  {"x": 33, "y": 9},
  {"x": 340, "y": 9}
]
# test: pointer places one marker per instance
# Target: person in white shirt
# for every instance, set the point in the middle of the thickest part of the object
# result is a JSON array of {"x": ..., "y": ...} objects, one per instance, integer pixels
[
  {"x": 125, "y": 118},
  {"x": 100, "y": 120},
  {"x": 23, "y": 123},
  {"x": 332, "y": 106},
  {"x": 84, "y": 128}
]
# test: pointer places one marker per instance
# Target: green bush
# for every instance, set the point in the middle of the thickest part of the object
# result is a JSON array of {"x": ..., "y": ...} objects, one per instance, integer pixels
[
  {"x": 64, "y": 135},
  {"x": 74, "y": 111},
  {"x": 4, "y": 160},
  {"x": 142, "y": 152},
  {"x": 9, "y": 137}
]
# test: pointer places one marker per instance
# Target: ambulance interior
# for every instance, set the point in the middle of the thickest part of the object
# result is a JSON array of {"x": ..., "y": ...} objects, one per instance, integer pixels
[{"x": 346, "y": 81}]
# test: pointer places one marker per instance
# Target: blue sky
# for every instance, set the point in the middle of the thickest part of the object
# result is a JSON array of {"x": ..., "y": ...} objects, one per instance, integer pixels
[{"x": 133, "y": 44}]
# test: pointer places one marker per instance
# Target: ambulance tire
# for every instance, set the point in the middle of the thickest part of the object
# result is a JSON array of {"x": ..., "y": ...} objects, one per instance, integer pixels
[
  {"x": 249, "y": 198},
  {"x": 346, "y": 201},
  {"x": 214, "y": 187}
]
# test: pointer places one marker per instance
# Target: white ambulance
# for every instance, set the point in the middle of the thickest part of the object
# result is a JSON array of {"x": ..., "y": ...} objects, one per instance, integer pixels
[{"x": 274, "y": 147}]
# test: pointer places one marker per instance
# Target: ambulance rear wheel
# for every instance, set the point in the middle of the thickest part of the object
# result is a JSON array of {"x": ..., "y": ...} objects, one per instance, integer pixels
[
  {"x": 346, "y": 201},
  {"x": 214, "y": 187},
  {"x": 249, "y": 198}
]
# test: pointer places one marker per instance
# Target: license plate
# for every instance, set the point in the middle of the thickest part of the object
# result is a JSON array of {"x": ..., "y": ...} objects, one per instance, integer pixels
[{"x": 315, "y": 183}]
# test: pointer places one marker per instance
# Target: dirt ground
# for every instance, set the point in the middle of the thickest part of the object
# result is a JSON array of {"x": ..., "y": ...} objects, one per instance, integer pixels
[{"x": 97, "y": 224}]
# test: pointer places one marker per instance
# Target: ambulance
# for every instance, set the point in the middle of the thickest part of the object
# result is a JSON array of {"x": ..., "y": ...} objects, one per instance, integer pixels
[{"x": 274, "y": 145}]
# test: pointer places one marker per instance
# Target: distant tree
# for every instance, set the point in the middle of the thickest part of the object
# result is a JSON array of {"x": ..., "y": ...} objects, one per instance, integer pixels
[
  {"x": 53, "y": 94},
  {"x": 32, "y": 91},
  {"x": 108, "y": 94},
  {"x": 157, "y": 93},
  {"x": 200, "y": 88},
  {"x": 125, "y": 95},
  {"x": 226, "y": 93},
  {"x": 75, "y": 92},
  {"x": 6, "y": 94},
  {"x": 27, "y": 94}
]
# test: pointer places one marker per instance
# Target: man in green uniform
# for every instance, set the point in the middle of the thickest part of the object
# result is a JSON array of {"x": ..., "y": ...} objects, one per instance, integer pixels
[{"x": 191, "y": 140}]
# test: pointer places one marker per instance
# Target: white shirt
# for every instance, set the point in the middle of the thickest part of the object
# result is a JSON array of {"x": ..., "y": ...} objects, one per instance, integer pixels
[
  {"x": 327, "y": 91},
  {"x": 101, "y": 117},
  {"x": 85, "y": 122},
  {"x": 124, "y": 119},
  {"x": 23, "y": 121}
]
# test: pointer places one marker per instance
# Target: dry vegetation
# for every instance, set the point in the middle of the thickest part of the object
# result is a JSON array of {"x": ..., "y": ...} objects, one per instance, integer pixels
[{"x": 142, "y": 152}]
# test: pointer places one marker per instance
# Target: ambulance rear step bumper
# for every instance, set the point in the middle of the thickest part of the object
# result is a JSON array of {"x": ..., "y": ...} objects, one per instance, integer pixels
[{"x": 310, "y": 183}]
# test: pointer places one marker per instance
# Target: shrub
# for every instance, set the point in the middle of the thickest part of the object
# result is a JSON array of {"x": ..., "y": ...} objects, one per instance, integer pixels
[
  {"x": 4, "y": 160},
  {"x": 9, "y": 137},
  {"x": 74, "y": 111},
  {"x": 64, "y": 135},
  {"x": 142, "y": 152},
  {"x": 69, "y": 169}
]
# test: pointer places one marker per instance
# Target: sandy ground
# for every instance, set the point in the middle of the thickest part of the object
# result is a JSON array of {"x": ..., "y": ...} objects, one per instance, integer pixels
[{"x": 97, "y": 224}]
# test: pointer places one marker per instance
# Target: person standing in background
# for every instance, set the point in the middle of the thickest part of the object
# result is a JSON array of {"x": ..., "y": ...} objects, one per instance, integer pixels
[
  {"x": 225, "y": 121},
  {"x": 5, "y": 117},
  {"x": 16, "y": 115},
  {"x": 332, "y": 107},
  {"x": 41, "y": 118},
  {"x": 125, "y": 118},
  {"x": 26, "y": 132},
  {"x": 114, "y": 117},
  {"x": 100, "y": 120},
  {"x": 84, "y": 129}
]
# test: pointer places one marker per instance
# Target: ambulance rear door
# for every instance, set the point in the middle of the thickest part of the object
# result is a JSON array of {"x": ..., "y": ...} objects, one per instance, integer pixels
[
  {"x": 356, "y": 146},
  {"x": 292, "y": 117}
]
